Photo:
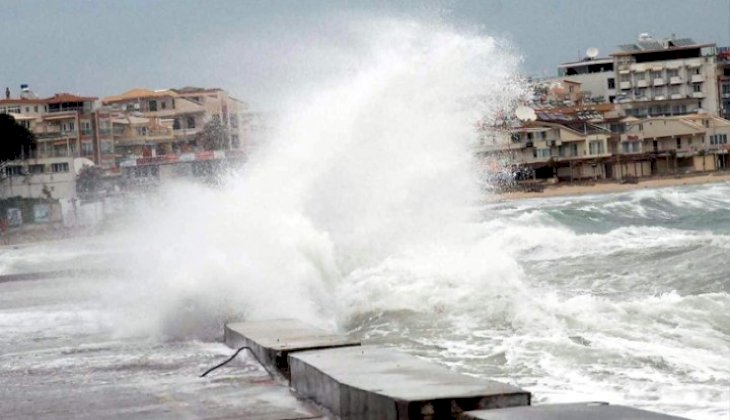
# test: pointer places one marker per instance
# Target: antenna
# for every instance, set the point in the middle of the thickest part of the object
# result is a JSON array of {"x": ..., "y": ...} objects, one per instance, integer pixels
[
  {"x": 592, "y": 52},
  {"x": 525, "y": 113}
]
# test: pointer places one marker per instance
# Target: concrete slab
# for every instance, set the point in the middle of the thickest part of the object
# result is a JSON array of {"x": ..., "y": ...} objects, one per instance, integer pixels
[
  {"x": 272, "y": 341},
  {"x": 574, "y": 411},
  {"x": 371, "y": 382}
]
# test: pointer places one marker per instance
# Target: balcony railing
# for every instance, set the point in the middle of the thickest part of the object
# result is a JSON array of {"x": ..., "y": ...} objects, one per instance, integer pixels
[
  {"x": 660, "y": 81},
  {"x": 675, "y": 80},
  {"x": 697, "y": 78}
]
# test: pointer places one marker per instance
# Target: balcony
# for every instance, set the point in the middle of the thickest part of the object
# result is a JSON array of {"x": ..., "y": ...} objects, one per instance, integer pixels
[
  {"x": 697, "y": 78},
  {"x": 697, "y": 95},
  {"x": 660, "y": 81},
  {"x": 676, "y": 96},
  {"x": 642, "y": 83},
  {"x": 659, "y": 97},
  {"x": 675, "y": 80}
]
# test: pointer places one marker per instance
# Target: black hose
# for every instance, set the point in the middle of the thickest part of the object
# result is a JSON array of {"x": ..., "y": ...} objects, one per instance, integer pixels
[{"x": 233, "y": 357}]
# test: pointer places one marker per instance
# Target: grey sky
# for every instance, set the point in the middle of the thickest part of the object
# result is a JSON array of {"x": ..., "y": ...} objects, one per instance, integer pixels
[{"x": 256, "y": 49}]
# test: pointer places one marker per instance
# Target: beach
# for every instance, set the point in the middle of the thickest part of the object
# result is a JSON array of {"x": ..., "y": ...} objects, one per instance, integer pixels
[{"x": 611, "y": 186}]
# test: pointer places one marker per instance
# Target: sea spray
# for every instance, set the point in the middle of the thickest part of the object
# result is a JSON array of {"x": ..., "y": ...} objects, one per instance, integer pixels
[{"x": 361, "y": 201}]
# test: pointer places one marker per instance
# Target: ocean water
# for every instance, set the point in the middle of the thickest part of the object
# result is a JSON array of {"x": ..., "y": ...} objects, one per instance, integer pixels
[
  {"x": 620, "y": 297},
  {"x": 363, "y": 213}
]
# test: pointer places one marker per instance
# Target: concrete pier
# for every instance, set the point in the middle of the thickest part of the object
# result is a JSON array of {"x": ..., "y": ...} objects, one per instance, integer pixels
[
  {"x": 575, "y": 411},
  {"x": 354, "y": 382},
  {"x": 272, "y": 341},
  {"x": 372, "y": 382}
]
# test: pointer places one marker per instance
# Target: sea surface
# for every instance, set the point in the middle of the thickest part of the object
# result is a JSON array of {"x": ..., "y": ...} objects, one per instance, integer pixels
[{"x": 622, "y": 298}]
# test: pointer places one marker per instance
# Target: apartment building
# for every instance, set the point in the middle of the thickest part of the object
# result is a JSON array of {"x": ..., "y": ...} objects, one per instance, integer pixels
[
  {"x": 168, "y": 121},
  {"x": 48, "y": 178},
  {"x": 570, "y": 150},
  {"x": 65, "y": 125},
  {"x": 596, "y": 76},
  {"x": 723, "y": 81},
  {"x": 666, "y": 77}
]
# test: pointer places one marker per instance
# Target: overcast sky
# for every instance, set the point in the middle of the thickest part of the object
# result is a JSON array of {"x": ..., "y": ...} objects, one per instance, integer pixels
[{"x": 255, "y": 49}]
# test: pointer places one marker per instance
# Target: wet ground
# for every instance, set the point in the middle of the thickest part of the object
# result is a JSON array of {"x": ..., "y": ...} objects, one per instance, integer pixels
[{"x": 59, "y": 359}]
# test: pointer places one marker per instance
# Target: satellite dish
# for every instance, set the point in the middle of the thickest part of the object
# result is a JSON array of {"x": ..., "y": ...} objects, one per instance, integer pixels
[
  {"x": 592, "y": 52},
  {"x": 525, "y": 113}
]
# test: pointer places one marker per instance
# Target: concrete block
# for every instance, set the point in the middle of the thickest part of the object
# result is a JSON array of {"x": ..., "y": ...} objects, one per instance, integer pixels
[
  {"x": 273, "y": 340},
  {"x": 371, "y": 382},
  {"x": 573, "y": 411}
]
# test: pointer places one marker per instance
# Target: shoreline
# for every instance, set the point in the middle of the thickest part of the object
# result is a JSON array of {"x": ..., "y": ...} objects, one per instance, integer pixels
[{"x": 611, "y": 186}]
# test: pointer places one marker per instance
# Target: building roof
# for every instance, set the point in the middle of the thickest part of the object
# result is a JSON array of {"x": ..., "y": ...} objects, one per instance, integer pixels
[
  {"x": 139, "y": 93},
  {"x": 67, "y": 97},
  {"x": 14, "y": 101},
  {"x": 586, "y": 62},
  {"x": 643, "y": 47}
]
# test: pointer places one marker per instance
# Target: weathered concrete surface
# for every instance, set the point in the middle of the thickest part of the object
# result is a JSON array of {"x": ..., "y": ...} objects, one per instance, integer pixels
[
  {"x": 273, "y": 340},
  {"x": 61, "y": 359},
  {"x": 371, "y": 382},
  {"x": 575, "y": 411}
]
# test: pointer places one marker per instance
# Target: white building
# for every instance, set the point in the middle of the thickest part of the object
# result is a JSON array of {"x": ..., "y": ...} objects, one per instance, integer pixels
[
  {"x": 53, "y": 177},
  {"x": 596, "y": 76},
  {"x": 666, "y": 77}
]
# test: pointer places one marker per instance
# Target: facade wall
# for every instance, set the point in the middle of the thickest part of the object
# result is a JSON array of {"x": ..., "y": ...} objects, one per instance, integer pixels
[{"x": 58, "y": 179}]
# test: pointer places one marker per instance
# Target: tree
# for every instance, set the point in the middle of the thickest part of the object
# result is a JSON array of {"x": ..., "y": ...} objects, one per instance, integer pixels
[
  {"x": 15, "y": 140},
  {"x": 89, "y": 180},
  {"x": 214, "y": 136}
]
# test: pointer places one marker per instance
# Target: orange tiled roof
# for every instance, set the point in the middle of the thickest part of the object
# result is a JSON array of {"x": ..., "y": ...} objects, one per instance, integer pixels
[
  {"x": 67, "y": 97},
  {"x": 138, "y": 93}
]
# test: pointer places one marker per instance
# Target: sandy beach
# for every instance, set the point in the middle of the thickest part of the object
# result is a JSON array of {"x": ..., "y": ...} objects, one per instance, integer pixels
[{"x": 610, "y": 186}]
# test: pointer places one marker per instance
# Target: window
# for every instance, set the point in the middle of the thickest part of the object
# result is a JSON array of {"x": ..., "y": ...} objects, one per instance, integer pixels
[
  {"x": 696, "y": 71},
  {"x": 697, "y": 88},
  {"x": 679, "y": 143},
  {"x": 87, "y": 149},
  {"x": 595, "y": 147},
  {"x": 611, "y": 83},
  {"x": 625, "y": 78},
  {"x": 27, "y": 109},
  {"x": 568, "y": 150},
  {"x": 68, "y": 127},
  {"x": 15, "y": 170},
  {"x": 163, "y": 105},
  {"x": 631, "y": 147},
  {"x": 36, "y": 169},
  {"x": 153, "y": 106},
  {"x": 59, "y": 167},
  {"x": 718, "y": 139},
  {"x": 656, "y": 75},
  {"x": 235, "y": 142},
  {"x": 726, "y": 89},
  {"x": 543, "y": 153},
  {"x": 35, "y": 108},
  {"x": 141, "y": 131},
  {"x": 673, "y": 73},
  {"x": 176, "y": 124},
  {"x": 658, "y": 91},
  {"x": 673, "y": 89},
  {"x": 191, "y": 122}
]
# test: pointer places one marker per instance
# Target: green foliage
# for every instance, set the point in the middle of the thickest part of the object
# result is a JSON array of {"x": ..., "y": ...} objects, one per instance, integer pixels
[
  {"x": 89, "y": 181},
  {"x": 15, "y": 140},
  {"x": 214, "y": 136}
]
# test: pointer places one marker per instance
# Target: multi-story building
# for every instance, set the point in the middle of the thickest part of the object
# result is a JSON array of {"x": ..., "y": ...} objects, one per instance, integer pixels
[
  {"x": 184, "y": 111},
  {"x": 666, "y": 77},
  {"x": 596, "y": 76},
  {"x": 723, "y": 81}
]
